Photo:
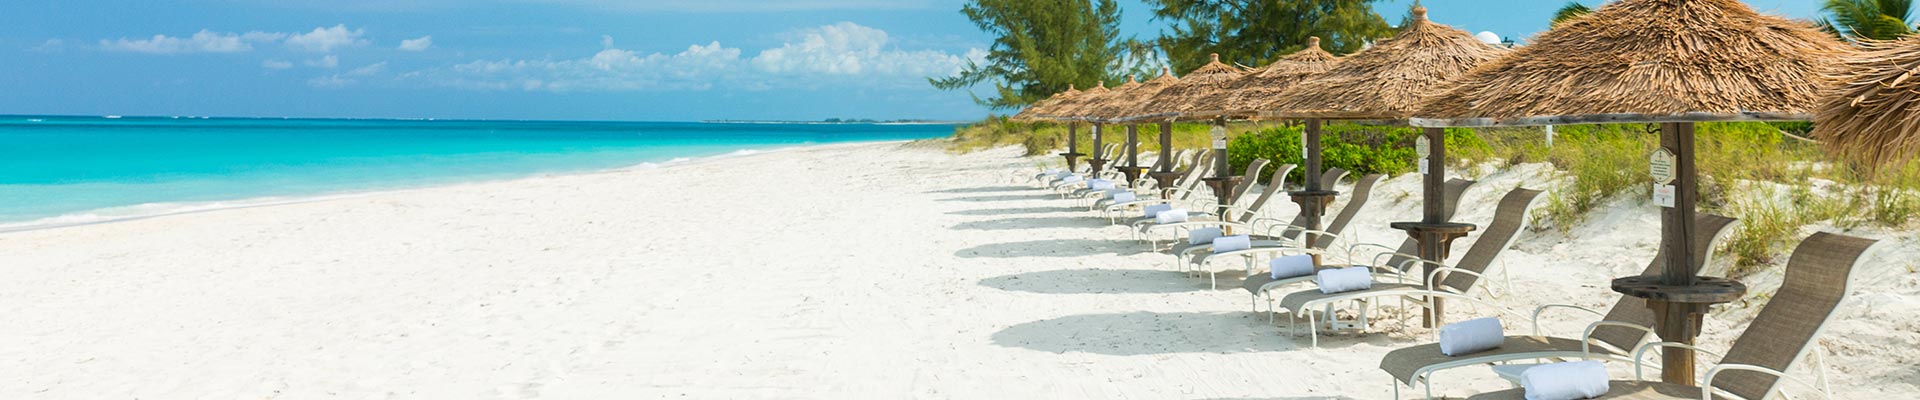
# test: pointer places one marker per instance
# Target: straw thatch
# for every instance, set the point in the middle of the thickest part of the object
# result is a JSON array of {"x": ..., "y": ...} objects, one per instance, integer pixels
[
  {"x": 1252, "y": 92},
  {"x": 1116, "y": 97},
  {"x": 1388, "y": 81},
  {"x": 1039, "y": 108},
  {"x": 1182, "y": 97},
  {"x": 1871, "y": 110},
  {"x": 1125, "y": 103},
  {"x": 1649, "y": 61},
  {"x": 1069, "y": 109}
]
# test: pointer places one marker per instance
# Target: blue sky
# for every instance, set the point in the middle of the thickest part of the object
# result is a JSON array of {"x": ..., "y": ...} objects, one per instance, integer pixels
[{"x": 539, "y": 59}]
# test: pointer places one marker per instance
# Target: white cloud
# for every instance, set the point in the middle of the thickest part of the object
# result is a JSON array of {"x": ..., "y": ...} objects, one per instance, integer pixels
[
  {"x": 331, "y": 82},
  {"x": 205, "y": 41},
  {"x": 369, "y": 70},
  {"x": 324, "y": 62},
  {"x": 843, "y": 53},
  {"x": 420, "y": 44},
  {"x": 326, "y": 39},
  {"x": 851, "y": 49},
  {"x": 276, "y": 64},
  {"x": 608, "y": 70},
  {"x": 49, "y": 46}
]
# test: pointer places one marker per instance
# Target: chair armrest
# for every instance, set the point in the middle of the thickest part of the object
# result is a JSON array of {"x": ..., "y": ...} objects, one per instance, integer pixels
[
  {"x": 1586, "y": 336},
  {"x": 1542, "y": 309},
  {"x": 1639, "y": 354},
  {"x": 1706, "y": 384}
]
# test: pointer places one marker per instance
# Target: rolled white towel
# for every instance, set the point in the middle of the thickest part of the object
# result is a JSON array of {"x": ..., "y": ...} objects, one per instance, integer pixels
[
  {"x": 1173, "y": 216},
  {"x": 1565, "y": 381},
  {"x": 1471, "y": 336},
  {"x": 1072, "y": 179},
  {"x": 1232, "y": 243},
  {"x": 1123, "y": 197},
  {"x": 1203, "y": 235},
  {"x": 1100, "y": 184},
  {"x": 1343, "y": 279},
  {"x": 1290, "y": 266},
  {"x": 1155, "y": 209}
]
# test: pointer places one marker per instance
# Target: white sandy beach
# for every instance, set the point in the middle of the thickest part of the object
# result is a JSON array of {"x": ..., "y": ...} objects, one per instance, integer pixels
[{"x": 846, "y": 271}]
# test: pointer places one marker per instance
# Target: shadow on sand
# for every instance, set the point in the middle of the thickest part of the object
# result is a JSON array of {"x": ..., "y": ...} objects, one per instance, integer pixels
[
  {"x": 985, "y": 189},
  {"x": 1148, "y": 333},
  {"x": 1062, "y": 248},
  {"x": 1096, "y": 281},
  {"x": 1016, "y": 211},
  {"x": 1017, "y": 223}
]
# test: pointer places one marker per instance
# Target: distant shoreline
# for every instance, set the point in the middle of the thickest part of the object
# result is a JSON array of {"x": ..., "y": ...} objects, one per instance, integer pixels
[{"x": 290, "y": 118}]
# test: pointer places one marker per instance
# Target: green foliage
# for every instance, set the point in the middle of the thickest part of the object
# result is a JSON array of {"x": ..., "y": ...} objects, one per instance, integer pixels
[
  {"x": 1362, "y": 149},
  {"x": 1764, "y": 230},
  {"x": 1044, "y": 138},
  {"x": 1573, "y": 10},
  {"x": 1042, "y": 46},
  {"x": 1868, "y": 19},
  {"x": 1256, "y": 32}
]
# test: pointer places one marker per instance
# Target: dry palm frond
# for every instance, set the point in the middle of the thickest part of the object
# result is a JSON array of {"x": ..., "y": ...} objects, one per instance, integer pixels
[
  {"x": 1652, "y": 60},
  {"x": 1870, "y": 111},
  {"x": 1039, "y": 108},
  {"x": 1246, "y": 95},
  {"x": 1182, "y": 97},
  {"x": 1116, "y": 97},
  {"x": 1125, "y": 104},
  {"x": 1390, "y": 80},
  {"x": 1065, "y": 109}
]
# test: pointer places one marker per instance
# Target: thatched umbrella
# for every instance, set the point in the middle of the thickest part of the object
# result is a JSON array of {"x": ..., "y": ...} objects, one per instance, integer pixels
[
  {"x": 1251, "y": 93},
  {"x": 1122, "y": 104},
  {"x": 1385, "y": 83},
  {"x": 1088, "y": 110},
  {"x": 1035, "y": 111},
  {"x": 1673, "y": 62},
  {"x": 1871, "y": 110},
  {"x": 1063, "y": 111},
  {"x": 1169, "y": 106}
]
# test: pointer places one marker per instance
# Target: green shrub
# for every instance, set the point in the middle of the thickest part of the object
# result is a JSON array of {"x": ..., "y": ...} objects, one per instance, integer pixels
[{"x": 1362, "y": 149}]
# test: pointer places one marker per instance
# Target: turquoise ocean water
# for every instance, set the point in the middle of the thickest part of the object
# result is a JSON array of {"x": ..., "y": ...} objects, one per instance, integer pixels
[{"x": 64, "y": 170}]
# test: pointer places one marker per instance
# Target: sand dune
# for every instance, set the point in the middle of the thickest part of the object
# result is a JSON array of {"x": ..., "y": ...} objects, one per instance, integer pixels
[{"x": 846, "y": 271}]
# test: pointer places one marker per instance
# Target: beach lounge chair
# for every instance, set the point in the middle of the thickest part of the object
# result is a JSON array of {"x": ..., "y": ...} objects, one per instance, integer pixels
[
  {"x": 1243, "y": 215},
  {"x": 1145, "y": 228},
  {"x": 1785, "y": 331},
  {"x": 1445, "y": 281},
  {"x": 1617, "y": 333},
  {"x": 1286, "y": 240},
  {"x": 1259, "y": 285},
  {"x": 1190, "y": 177},
  {"x": 1239, "y": 191}
]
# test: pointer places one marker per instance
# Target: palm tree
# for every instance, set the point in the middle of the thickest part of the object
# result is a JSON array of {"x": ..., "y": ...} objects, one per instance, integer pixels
[
  {"x": 1868, "y": 19},
  {"x": 1573, "y": 10}
]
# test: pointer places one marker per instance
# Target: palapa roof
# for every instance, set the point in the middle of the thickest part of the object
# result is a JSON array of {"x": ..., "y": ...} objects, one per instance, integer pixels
[
  {"x": 1649, "y": 61},
  {"x": 1252, "y": 92},
  {"x": 1039, "y": 108},
  {"x": 1123, "y": 103},
  {"x": 1870, "y": 111},
  {"x": 1064, "y": 109},
  {"x": 1115, "y": 97},
  {"x": 1181, "y": 97},
  {"x": 1388, "y": 81}
]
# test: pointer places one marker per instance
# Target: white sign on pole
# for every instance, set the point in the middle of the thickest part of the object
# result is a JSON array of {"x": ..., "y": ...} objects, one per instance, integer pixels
[
  {"x": 1219, "y": 134},
  {"x": 1663, "y": 195},
  {"x": 1423, "y": 166},
  {"x": 1422, "y": 147},
  {"x": 1661, "y": 166}
]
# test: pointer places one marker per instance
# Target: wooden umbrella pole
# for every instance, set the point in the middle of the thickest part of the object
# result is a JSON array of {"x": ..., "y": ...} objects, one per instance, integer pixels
[
  {"x": 1099, "y": 149},
  {"x": 1679, "y": 322},
  {"x": 1314, "y": 197},
  {"x": 1073, "y": 147}
]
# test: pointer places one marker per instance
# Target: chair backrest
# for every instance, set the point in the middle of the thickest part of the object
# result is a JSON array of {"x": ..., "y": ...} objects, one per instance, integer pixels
[
  {"x": 1508, "y": 220},
  {"x": 1247, "y": 179},
  {"x": 1327, "y": 179},
  {"x": 1274, "y": 184},
  {"x": 1454, "y": 188},
  {"x": 1788, "y": 325},
  {"x": 1710, "y": 229},
  {"x": 1362, "y": 191},
  {"x": 1201, "y": 165}
]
